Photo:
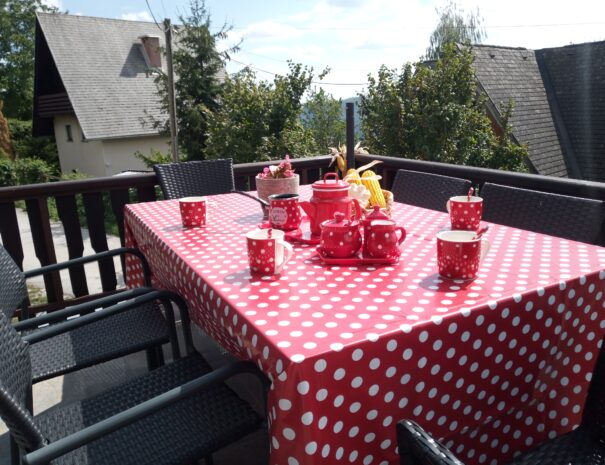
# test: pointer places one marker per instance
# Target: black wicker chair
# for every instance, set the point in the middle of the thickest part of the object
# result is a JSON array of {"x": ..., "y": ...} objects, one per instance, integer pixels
[
  {"x": 105, "y": 339},
  {"x": 582, "y": 446},
  {"x": 427, "y": 190},
  {"x": 193, "y": 178},
  {"x": 564, "y": 216},
  {"x": 178, "y": 413}
]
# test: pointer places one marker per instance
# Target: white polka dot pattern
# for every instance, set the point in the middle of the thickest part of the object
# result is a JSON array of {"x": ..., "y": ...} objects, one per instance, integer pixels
[{"x": 490, "y": 366}]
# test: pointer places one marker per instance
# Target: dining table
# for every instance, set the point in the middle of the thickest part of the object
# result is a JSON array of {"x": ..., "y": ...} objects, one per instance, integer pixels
[{"x": 491, "y": 366}]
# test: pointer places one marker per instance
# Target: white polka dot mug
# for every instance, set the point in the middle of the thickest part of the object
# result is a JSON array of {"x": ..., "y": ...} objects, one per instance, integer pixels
[
  {"x": 465, "y": 212},
  {"x": 381, "y": 239},
  {"x": 284, "y": 212},
  {"x": 267, "y": 251},
  {"x": 194, "y": 211},
  {"x": 459, "y": 254}
]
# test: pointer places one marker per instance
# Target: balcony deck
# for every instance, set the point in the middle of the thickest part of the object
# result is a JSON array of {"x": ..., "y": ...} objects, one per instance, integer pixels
[{"x": 142, "y": 187}]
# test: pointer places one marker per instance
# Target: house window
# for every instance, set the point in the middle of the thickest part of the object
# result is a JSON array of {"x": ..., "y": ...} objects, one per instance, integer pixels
[{"x": 70, "y": 137}]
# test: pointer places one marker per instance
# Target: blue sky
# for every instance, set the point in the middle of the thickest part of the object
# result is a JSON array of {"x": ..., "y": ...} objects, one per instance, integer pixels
[{"x": 354, "y": 37}]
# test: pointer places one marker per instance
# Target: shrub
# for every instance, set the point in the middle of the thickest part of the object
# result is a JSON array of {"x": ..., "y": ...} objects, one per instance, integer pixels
[
  {"x": 7, "y": 173},
  {"x": 26, "y": 146},
  {"x": 33, "y": 171}
]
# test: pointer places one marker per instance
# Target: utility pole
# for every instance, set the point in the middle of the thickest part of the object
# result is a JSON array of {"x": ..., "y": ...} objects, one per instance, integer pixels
[
  {"x": 350, "y": 135},
  {"x": 174, "y": 135}
]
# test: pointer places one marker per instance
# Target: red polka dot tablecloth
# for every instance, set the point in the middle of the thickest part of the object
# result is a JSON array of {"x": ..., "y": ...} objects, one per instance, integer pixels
[{"x": 491, "y": 366}]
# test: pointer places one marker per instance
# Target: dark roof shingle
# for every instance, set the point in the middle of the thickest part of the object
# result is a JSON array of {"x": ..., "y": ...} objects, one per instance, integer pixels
[{"x": 103, "y": 69}]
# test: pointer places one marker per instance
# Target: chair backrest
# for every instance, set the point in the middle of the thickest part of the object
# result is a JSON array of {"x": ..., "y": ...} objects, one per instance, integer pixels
[
  {"x": 13, "y": 290},
  {"x": 593, "y": 417},
  {"x": 15, "y": 384},
  {"x": 558, "y": 215},
  {"x": 417, "y": 447},
  {"x": 427, "y": 190},
  {"x": 192, "y": 178}
]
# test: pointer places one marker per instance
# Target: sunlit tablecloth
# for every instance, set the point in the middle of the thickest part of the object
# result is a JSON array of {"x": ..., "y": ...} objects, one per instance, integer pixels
[{"x": 491, "y": 366}]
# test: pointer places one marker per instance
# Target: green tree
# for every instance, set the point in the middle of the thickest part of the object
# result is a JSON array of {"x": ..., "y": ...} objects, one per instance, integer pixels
[
  {"x": 322, "y": 116},
  {"x": 17, "y": 30},
  {"x": 198, "y": 66},
  {"x": 436, "y": 113},
  {"x": 6, "y": 145},
  {"x": 260, "y": 120},
  {"x": 455, "y": 28}
]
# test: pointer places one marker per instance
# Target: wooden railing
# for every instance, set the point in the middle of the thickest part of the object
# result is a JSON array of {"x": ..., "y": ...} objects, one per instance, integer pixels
[
  {"x": 95, "y": 196},
  {"x": 98, "y": 195}
]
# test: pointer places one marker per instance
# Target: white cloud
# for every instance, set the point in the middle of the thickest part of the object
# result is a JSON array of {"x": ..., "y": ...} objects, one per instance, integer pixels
[
  {"x": 137, "y": 16},
  {"x": 53, "y": 3},
  {"x": 355, "y": 37}
]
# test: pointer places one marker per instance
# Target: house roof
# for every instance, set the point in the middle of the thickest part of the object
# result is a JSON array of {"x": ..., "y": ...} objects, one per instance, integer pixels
[
  {"x": 559, "y": 103},
  {"x": 575, "y": 77},
  {"x": 512, "y": 73},
  {"x": 102, "y": 67}
]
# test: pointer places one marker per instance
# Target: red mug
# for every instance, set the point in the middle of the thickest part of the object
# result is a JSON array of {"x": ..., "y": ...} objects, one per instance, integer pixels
[
  {"x": 381, "y": 239},
  {"x": 465, "y": 212},
  {"x": 284, "y": 213},
  {"x": 459, "y": 254},
  {"x": 267, "y": 251},
  {"x": 194, "y": 211}
]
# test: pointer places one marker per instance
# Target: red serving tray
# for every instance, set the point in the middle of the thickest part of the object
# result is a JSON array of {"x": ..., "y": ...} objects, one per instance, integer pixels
[{"x": 358, "y": 259}]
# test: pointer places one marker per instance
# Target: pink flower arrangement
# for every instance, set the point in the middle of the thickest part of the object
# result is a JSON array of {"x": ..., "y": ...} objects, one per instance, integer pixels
[{"x": 283, "y": 170}]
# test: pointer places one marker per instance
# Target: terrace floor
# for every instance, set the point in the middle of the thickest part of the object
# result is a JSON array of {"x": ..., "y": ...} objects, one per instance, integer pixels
[{"x": 95, "y": 379}]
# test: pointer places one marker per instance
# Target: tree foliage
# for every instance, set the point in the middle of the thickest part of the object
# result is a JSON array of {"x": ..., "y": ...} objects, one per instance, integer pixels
[
  {"x": 435, "y": 113},
  {"x": 17, "y": 30},
  {"x": 454, "y": 28},
  {"x": 322, "y": 116},
  {"x": 198, "y": 67},
  {"x": 260, "y": 120},
  {"x": 6, "y": 145}
]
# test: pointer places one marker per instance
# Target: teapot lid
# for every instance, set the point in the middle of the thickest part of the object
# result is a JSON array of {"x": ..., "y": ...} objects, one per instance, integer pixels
[
  {"x": 327, "y": 183},
  {"x": 339, "y": 222},
  {"x": 376, "y": 214}
]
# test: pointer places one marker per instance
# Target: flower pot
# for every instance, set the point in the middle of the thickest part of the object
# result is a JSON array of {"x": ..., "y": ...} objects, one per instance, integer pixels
[{"x": 270, "y": 186}]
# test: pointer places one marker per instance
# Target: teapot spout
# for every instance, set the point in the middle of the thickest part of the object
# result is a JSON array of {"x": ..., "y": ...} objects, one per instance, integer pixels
[{"x": 308, "y": 208}]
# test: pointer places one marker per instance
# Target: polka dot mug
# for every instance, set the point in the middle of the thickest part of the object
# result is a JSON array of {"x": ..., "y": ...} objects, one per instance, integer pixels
[
  {"x": 465, "y": 212},
  {"x": 284, "y": 212},
  {"x": 194, "y": 211},
  {"x": 267, "y": 251},
  {"x": 459, "y": 253}
]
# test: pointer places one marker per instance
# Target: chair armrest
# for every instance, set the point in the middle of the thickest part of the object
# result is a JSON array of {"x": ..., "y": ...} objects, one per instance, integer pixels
[
  {"x": 93, "y": 258},
  {"x": 59, "y": 328},
  {"x": 144, "y": 409},
  {"x": 59, "y": 315},
  {"x": 417, "y": 447}
]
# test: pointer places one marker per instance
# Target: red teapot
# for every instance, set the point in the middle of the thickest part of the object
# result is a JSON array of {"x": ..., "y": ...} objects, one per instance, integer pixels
[{"x": 330, "y": 195}]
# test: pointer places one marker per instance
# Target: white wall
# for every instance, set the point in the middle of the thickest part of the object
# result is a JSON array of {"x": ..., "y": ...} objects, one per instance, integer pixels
[
  {"x": 86, "y": 157},
  {"x": 101, "y": 158},
  {"x": 119, "y": 153}
]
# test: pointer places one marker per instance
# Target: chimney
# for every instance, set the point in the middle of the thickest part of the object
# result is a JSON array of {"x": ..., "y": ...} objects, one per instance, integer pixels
[{"x": 151, "y": 46}]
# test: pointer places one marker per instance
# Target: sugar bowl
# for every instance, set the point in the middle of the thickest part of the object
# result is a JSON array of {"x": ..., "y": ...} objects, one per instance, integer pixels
[{"x": 340, "y": 237}]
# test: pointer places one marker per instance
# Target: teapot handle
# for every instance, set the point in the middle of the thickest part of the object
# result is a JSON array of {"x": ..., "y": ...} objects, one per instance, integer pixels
[
  {"x": 403, "y": 234},
  {"x": 331, "y": 174},
  {"x": 357, "y": 210}
]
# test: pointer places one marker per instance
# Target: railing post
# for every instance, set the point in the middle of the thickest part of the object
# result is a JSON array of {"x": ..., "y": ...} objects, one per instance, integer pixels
[{"x": 350, "y": 135}]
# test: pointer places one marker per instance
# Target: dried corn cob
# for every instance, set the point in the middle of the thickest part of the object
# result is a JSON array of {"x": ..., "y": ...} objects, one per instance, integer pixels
[
  {"x": 368, "y": 178},
  {"x": 352, "y": 177}
]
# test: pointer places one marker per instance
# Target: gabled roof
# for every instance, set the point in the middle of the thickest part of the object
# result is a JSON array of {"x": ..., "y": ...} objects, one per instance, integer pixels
[
  {"x": 575, "y": 77},
  {"x": 102, "y": 67},
  {"x": 559, "y": 103},
  {"x": 505, "y": 73}
]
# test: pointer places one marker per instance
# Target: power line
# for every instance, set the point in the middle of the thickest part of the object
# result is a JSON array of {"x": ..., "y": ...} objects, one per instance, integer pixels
[
  {"x": 153, "y": 16},
  {"x": 495, "y": 26}
]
